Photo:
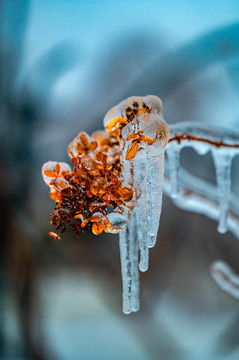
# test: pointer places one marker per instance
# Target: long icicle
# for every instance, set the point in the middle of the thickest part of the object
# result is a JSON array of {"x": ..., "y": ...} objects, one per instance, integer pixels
[
  {"x": 222, "y": 160},
  {"x": 135, "y": 303},
  {"x": 141, "y": 211},
  {"x": 129, "y": 267},
  {"x": 173, "y": 150},
  {"x": 155, "y": 175}
]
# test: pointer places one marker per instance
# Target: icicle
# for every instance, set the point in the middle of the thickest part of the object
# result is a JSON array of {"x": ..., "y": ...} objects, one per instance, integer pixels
[
  {"x": 141, "y": 210},
  {"x": 142, "y": 232},
  {"x": 144, "y": 131},
  {"x": 222, "y": 160},
  {"x": 135, "y": 272},
  {"x": 173, "y": 160},
  {"x": 155, "y": 174},
  {"x": 129, "y": 267},
  {"x": 225, "y": 277}
]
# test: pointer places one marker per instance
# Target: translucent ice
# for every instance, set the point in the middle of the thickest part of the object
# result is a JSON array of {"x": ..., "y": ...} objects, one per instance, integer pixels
[
  {"x": 223, "y": 144},
  {"x": 155, "y": 176},
  {"x": 225, "y": 277},
  {"x": 172, "y": 151},
  {"x": 144, "y": 134},
  {"x": 129, "y": 267},
  {"x": 141, "y": 210},
  {"x": 222, "y": 160},
  {"x": 53, "y": 169},
  {"x": 117, "y": 221},
  {"x": 130, "y": 108}
]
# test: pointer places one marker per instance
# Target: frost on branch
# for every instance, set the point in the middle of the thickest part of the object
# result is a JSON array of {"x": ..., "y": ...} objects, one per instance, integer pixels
[{"x": 116, "y": 183}]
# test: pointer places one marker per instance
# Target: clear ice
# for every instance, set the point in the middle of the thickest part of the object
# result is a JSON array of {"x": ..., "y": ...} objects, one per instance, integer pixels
[
  {"x": 225, "y": 277},
  {"x": 222, "y": 157},
  {"x": 145, "y": 172},
  {"x": 222, "y": 160}
]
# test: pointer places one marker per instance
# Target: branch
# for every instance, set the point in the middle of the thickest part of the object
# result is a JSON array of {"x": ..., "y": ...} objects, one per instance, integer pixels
[{"x": 184, "y": 136}]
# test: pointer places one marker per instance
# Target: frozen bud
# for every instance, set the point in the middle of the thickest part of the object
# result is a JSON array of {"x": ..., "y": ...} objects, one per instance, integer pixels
[
  {"x": 147, "y": 128},
  {"x": 154, "y": 104},
  {"x": 118, "y": 222},
  {"x": 129, "y": 109},
  {"x": 102, "y": 137},
  {"x": 82, "y": 144},
  {"x": 60, "y": 184},
  {"x": 53, "y": 169}
]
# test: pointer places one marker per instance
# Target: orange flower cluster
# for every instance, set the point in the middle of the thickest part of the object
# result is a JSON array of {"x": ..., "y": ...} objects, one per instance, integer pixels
[
  {"x": 87, "y": 196},
  {"x": 93, "y": 195}
]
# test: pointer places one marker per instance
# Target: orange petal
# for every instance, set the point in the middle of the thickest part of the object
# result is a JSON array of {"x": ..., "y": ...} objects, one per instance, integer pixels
[
  {"x": 79, "y": 148},
  {"x": 106, "y": 197},
  {"x": 74, "y": 161},
  {"x": 97, "y": 228},
  {"x": 133, "y": 136},
  {"x": 126, "y": 193},
  {"x": 54, "y": 194},
  {"x": 89, "y": 193},
  {"x": 84, "y": 223},
  {"x": 108, "y": 167},
  {"x": 110, "y": 187},
  {"x": 93, "y": 145},
  {"x": 132, "y": 150},
  {"x": 54, "y": 235},
  {"x": 147, "y": 139},
  {"x": 114, "y": 179},
  {"x": 84, "y": 139},
  {"x": 96, "y": 217},
  {"x": 114, "y": 197},
  {"x": 49, "y": 173},
  {"x": 79, "y": 216},
  {"x": 57, "y": 168}
]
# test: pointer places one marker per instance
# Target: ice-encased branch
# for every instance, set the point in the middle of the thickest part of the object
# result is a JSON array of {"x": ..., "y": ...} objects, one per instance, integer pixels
[
  {"x": 224, "y": 145},
  {"x": 225, "y": 277},
  {"x": 191, "y": 193}
]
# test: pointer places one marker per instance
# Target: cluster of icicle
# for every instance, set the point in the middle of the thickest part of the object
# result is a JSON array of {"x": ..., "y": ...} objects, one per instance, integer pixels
[
  {"x": 145, "y": 171},
  {"x": 194, "y": 194}
]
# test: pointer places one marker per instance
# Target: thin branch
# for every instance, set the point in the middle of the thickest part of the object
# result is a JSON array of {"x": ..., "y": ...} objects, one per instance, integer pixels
[{"x": 185, "y": 136}]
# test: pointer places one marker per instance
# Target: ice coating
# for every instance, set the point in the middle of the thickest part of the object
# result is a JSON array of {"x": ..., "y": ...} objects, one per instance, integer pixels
[
  {"x": 212, "y": 133},
  {"x": 128, "y": 109},
  {"x": 82, "y": 144},
  {"x": 53, "y": 169},
  {"x": 143, "y": 134},
  {"x": 152, "y": 126},
  {"x": 225, "y": 277},
  {"x": 118, "y": 222},
  {"x": 223, "y": 145}
]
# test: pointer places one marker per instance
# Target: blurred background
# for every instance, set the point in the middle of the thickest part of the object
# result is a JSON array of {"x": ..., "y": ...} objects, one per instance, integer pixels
[{"x": 63, "y": 64}]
